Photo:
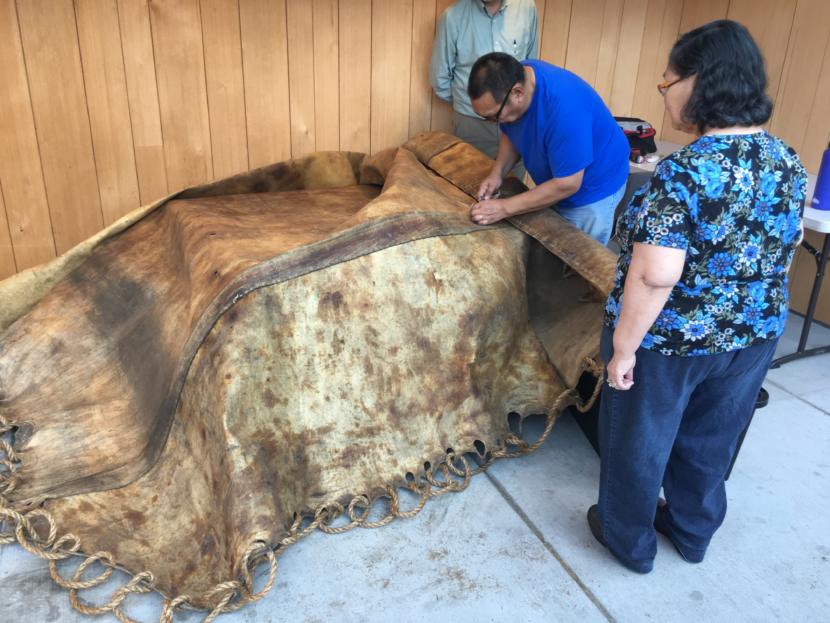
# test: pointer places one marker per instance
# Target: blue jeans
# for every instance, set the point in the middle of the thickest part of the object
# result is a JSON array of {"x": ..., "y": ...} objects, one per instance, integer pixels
[
  {"x": 678, "y": 427},
  {"x": 595, "y": 219}
]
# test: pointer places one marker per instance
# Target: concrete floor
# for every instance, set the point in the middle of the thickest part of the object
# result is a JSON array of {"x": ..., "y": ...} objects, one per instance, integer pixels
[{"x": 515, "y": 545}]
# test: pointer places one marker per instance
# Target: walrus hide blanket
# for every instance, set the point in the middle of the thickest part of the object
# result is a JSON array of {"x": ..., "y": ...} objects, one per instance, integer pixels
[{"x": 322, "y": 343}]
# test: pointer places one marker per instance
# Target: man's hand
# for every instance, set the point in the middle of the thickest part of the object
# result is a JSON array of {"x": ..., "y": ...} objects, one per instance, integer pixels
[
  {"x": 489, "y": 211},
  {"x": 620, "y": 371},
  {"x": 489, "y": 186}
]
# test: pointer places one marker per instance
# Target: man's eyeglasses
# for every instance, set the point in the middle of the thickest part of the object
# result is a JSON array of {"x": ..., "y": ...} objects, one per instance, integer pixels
[
  {"x": 495, "y": 117},
  {"x": 664, "y": 86}
]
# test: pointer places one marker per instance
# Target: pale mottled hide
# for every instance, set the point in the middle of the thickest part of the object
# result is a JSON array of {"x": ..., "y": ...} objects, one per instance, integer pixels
[{"x": 281, "y": 340}]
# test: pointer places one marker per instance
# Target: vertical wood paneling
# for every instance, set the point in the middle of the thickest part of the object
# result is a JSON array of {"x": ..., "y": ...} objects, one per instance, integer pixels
[
  {"x": 301, "y": 76},
  {"x": 326, "y": 75},
  {"x": 441, "y": 114},
  {"x": 142, "y": 94},
  {"x": 607, "y": 53},
  {"x": 770, "y": 22},
  {"x": 801, "y": 78},
  {"x": 795, "y": 281},
  {"x": 109, "y": 111},
  {"x": 82, "y": 113},
  {"x": 659, "y": 34},
  {"x": 555, "y": 24},
  {"x": 818, "y": 124},
  {"x": 628, "y": 53},
  {"x": 695, "y": 14},
  {"x": 265, "y": 63},
  {"x": 816, "y": 131},
  {"x": 7, "y": 265},
  {"x": 180, "y": 71},
  {"x": 355, "y": 75},
  {"x": 802, "y": 275},
  {"x": 26, "y": 210},
  {"x": 391, "y": 54},
  {"x": 225, "y": 91},
  {"x": 56, "y": 82},
  {"x": 699, "y": 12},
  {"x": 420, "y": 93},
  {"x": 584, "y": 37},
  {"x": 541, "y": 7}
]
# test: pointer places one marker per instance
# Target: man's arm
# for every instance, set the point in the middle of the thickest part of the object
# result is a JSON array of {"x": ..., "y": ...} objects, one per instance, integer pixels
[
  {"x": 506, "y": 159},
  {"x": 442, "y": 64},
  {"x": 568, "y": 156},
  {"x": 544, "y": 195},
  {"x": 491, "y": 211}
]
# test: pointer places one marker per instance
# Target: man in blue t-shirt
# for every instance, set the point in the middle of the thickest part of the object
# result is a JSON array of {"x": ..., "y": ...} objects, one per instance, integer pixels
[{"x": 573, "y": 149}]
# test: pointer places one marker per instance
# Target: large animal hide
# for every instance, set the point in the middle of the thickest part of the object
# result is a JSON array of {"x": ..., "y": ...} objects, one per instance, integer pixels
[{"x": 191, "y": 379}]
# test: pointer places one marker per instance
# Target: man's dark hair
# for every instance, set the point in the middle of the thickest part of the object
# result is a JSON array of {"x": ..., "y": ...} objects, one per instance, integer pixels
[
  {"x": 731, "y": 81},
  {"x": 494, "y": 73}
]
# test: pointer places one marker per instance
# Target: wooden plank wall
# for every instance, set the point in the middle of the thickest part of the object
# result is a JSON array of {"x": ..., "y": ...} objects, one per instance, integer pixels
[{"x": 109, "y": 104}]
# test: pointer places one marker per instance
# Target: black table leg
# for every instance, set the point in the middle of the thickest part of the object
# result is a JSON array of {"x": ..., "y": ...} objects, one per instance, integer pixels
[{"x": 821, "y": 265}]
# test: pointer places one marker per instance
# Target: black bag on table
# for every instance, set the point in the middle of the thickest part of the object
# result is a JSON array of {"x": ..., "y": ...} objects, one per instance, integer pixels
[{"x": 640, "y": 135}]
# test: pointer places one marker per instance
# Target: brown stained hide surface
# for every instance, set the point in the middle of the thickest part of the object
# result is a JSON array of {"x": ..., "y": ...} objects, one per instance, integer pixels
[
  {"x": 282, "y": 340},
  {"x": 565, "y": 306}
]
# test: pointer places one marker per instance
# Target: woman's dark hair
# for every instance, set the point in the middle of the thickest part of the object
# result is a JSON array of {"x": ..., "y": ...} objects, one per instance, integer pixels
[
  {"x": 731, "y": 81},
  {"x": 494, "y": 73}
]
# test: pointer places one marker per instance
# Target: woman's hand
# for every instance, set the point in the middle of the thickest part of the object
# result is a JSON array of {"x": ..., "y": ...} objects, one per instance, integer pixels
[
  {"x": 489, "y": 186},
  {"x": 620, "y": 371},
  {"x": 652, "y": 274},
  {"x": 489, "y": 211}
]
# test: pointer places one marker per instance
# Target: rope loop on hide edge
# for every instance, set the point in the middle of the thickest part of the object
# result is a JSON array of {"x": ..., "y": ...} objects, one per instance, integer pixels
[
  {"x": 598, "y": 372},
  {"x": 35, "y": 530}
]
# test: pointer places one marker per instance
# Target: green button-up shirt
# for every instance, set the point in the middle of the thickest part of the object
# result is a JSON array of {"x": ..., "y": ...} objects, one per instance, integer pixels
[{"x": 467, "y": 31}]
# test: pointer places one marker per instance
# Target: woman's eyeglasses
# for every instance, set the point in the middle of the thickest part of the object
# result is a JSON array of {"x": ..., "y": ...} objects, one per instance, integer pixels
[
  {"x": 495, "y": 117},
  {"x": 664, "y": 86}
]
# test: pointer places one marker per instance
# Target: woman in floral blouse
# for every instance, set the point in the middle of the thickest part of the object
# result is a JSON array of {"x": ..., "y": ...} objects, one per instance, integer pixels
[{"x": 699, "y": 302}]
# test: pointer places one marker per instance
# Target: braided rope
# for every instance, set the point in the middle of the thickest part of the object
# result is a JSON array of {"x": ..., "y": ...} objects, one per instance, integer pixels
[
  {"x": 598, "y": 372},
  {"x": 35, "y": 530}
]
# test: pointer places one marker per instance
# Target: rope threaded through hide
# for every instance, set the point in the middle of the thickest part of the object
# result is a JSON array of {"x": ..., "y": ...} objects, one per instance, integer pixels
[{"x": 36, "y": 531}]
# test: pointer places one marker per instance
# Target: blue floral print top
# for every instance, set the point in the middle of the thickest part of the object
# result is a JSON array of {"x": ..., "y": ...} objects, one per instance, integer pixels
[{"x": 734, "y": 202}]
